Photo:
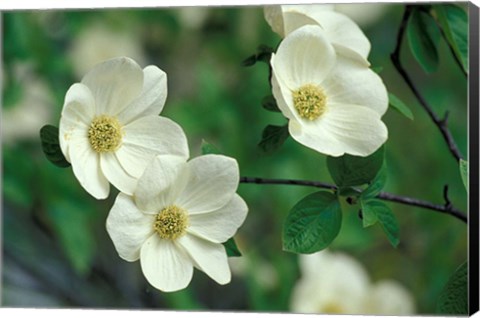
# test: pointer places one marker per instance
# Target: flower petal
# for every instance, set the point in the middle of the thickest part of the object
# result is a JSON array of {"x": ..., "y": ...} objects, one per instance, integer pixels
[
  {"x": 305, "y": 56},
  {"x": 165, "y": 266},
  {"x": 77, "y": 114},
  {"x": 294, "y": 20},
  {"x": 273, "y": 16},
  {"x": 116, "y": 173},
  {"x": 352, "y": 83},
  {"x": 151, "y": 99},
  {"x": 148, "y": 137},
  {"x": 219, "y": 225},
  {"x": 388, "y": 297},
  {"x": 345, "y": 35},
  {"x": 350, "y": 129},
  {"x": 86, "y": 167},
  {"x": 114, "y": 84},
  {"x": 212, "y": 181},
  {"x": 282, "y": 94},
  {"x": 161, "y": 183},
  {"x": 128, "y": 227},
  {"x": 211, "y": 258}
]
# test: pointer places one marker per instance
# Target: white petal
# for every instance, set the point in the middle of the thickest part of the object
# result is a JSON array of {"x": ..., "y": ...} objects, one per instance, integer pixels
[
  {"x": 148, "y": 137},
  {"x": 273, "y": 16},
  {"x": 211, "y": 258},
  {"x": 128, "y": 227},
  {"x": 294, "y": 20},
  {"x": 282, "y": 94},
  {"x": 350, "y": 129},
  {"x": 161, "y": 183},
  {"x": 165, "y": 266},
  {"x": 304, "y": 57},
  {"x": 212, "y": 181},
  {"x": 151, "y": 99},
  {"x": 352, "y": 83},
  {"x": 116, "y": 173},
  {"x": 114, "y": 84},
  {"x": 219, "y": 225},
  {"x": 77, "y": 113},
  {"x": 388, "y": 297},
  {"x": 345, "y": 35},
  {"x": 86, "y": 167}
]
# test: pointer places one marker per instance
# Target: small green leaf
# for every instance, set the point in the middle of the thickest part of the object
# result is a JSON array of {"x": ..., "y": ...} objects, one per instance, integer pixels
[
  {"x": 350, "y": 170},
  {"x": 312, "y": 224},
  {"x": 423, "y": 36},
  {"x": 348, "y": 191},
  {"x": 454, "y": 22},
  {"x": 264, "y": 53},
  {"x": 269, "y": 103},
  {"x": 51, "y": 146},
  {"x": 464, "y": 172},
  {"x": 273, "y": 137},
  {"x": 249, "y": 61},
  {"x": 384, "y": 216},
  {"x": 208, "y": 148},
  {"x": 231, "y": 248},
  {"x": 454, "y": 297},
  {"x": 377, "y": 184},
  {"x": 399, "y": 106},
  {"x": 369, "y": 217}
]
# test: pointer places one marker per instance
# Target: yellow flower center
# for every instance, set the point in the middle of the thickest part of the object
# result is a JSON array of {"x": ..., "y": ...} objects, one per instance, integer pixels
[
  {"x": 171, "y": 222},
  {"x": 309, "y": 101},
  {"x": 332, "y": 308},
  {"x": 105, "y": 134}
]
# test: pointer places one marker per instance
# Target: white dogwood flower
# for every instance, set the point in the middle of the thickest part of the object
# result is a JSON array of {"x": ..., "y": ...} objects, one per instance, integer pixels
[
  {"x": 336, "y": 283},
  {"x": 110, "y": 128},
  {"x": 341, "y": 31},
  {"x": 177, "y": 219},
  {"x": 334, "y": 104}
]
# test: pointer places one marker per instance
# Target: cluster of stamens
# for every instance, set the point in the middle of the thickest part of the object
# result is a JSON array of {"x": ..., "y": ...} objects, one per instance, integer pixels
[
  {"x": 309, "y": 101},
  {"x": 171, "y": 222},
  {"x": 105, "y": 134}
]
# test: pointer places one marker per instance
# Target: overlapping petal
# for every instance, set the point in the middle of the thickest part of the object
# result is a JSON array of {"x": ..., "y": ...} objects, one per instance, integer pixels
[
  {"x": 128, "y": 227},
  {"x": 165, "y": 266},
  {"x": 116, "y": 173},
  {"x": 212, "y": 181},
  {"x": 219, "y": 225},
  {"x": 114, "y": 84}
]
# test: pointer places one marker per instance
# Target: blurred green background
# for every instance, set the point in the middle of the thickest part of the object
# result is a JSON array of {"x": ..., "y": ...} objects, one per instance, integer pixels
[{"x": 56, "y": 251}]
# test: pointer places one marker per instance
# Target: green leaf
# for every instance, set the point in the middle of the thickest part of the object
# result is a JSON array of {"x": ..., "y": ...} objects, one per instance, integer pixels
[
  {"x": 231, "y": 248},
  {"x": 454, "y": 297},
  {"x": 399, "y": 106},
  {"x": 377, "y": 69},
  {"x": 312, "y": 224},
  {"x": 377, "y": 184},
  {"x": 385, "y": 217},
  {"x": 273, "y": 137},
  {"x": 264, "y": 54},
  {"x": 249, "y": 61},
  {"x": 51, "y": 146},
  {"x": 369, "y": 217},
  {"x": 349, "y": 170},
  {"x": 454, "y": 22},
  {"x": 269, "y": 103},
  {"x": 208, "y": 148},
  {"x": 423, "y": 36},
  {"x": 464, "y": 172}
]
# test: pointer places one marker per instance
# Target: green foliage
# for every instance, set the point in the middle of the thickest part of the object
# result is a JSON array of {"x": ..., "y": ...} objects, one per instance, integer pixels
[
  {"x": 423, "y": 36},
  {"x": 269, "y": 103},
  {"x": 264, "y": 53},
  {"x": 231, "y": 248},
  {"x": 454, "y": 23},
  {"x": 399, "y": 106},
  {"x": 376, "y": 210},
  {"x": 454, "y": 297},
  {"x": 464, "y": 172},
  {"x": 377, "y": 184},
  {"x": 51, "y": 146},
  {"x": 349, "y": 170},
  {"x": 208, "y": 148},
  {"x": 312, "y": 224},
  {"x": 273, "y": 137}
]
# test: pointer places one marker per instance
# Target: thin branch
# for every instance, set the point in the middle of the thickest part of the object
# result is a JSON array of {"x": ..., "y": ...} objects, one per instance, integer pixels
[
  {"x": 446, "y": 209},
  {"x": 441, "y": 123}
]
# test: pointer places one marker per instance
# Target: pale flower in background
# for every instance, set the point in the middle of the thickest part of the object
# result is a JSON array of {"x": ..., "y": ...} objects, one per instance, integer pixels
[
  {"x": 344, "y": 34},
  {"x": 335, "y": 283},
  {"x": 334, "y": 104},
  {"x": 98, "y": 42},
  {"x": 192, "y": 17},
  {"x": 110, "y": 128},
  {"x": 22, "y": 121},
  {"x": 365, "y": 14},
  {"x": 177, "y": 219}
]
